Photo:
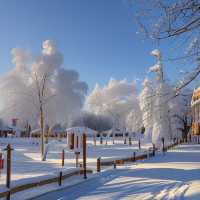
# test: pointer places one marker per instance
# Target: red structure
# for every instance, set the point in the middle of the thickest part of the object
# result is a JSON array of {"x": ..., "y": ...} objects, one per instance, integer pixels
[{"x": 1, "y": 161}]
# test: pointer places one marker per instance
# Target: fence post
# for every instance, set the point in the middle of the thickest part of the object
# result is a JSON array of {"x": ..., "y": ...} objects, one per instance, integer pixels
[
  {"x": 163, "y": 144},
  {"x": 101, "y": 140},
  {"x": 134, "y": 155},
  {"x": 99, "y": 164},
  {"x": 139, "y": 144},
  {"x": 148, "y": 153},
  {"x": 60, "y": 179},
  {"x": 8, "y": 175},
  {"x": 84, "y": 156},
  {"x": 8, "y": 170},
  {"x": 130, "y": 142},
  {"x": 77, "y": 157},
  {"x": 115, "y": 164},
  {"x": 63, "y": 157},
  {"x": 154, "y": 149},
  {"x": 174, "y": 140}
]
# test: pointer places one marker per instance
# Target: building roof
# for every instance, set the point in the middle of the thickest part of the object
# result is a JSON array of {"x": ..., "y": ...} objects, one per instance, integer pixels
[{"x": 81, "y": 130}]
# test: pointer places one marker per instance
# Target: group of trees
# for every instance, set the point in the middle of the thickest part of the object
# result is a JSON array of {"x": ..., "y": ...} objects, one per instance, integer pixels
[
  {"x": 117, "y": 100},
  {"x": 157, "y": 108},
  {"x": 163, "y": 108},
  {"x": 40, "y": 90}
]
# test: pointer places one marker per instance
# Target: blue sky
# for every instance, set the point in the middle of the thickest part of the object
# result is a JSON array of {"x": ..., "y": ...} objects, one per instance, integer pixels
[{"x": 97, "y": 37}]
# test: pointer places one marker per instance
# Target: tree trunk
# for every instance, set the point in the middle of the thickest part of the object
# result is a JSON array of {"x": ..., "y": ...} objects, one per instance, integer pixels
[{"x": 42, "y": 132}]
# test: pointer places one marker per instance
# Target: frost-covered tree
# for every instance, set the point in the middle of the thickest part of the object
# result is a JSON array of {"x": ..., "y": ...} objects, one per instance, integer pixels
[
  {"x": 134, "y": 119},
  {"x": 63, "y": 93},
  {"x": 169, "y": 109},
  {"x": 180, "y": 113},
  {"x": 161, "y": 111},
  {"x": 116, "y": 100},
  {"x": 39, "y": 90},
  {"x": 146, "y": 99}
]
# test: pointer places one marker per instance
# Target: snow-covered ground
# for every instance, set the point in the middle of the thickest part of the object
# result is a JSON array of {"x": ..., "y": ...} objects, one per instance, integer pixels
[
  {"x": 176, "y": 175},
  {"x": 26, "y": 161}
]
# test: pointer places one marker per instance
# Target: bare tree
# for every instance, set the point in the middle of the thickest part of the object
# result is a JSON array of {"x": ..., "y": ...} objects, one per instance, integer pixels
[
  {"x": 177, "y": 20},
  {"x": 43, "y": 95}
]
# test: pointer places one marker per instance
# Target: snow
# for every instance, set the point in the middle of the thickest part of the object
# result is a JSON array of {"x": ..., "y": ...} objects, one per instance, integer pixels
[
  {"x": 26, "y": 160},
  {"x": 156, "y": 53},
  {"x": 161, "y": 123},
  {"x": 155, "y": 68},
  {"x": 38, "y": 130},
  {"x": 172, "y": 176},
  {"x": 43, "y": 177},
  {"x": 31, "y": 193},
  {"x": 81, "y": 130}
]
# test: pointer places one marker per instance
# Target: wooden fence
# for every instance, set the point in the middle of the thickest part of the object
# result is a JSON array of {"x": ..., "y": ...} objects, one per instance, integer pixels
[
  {"x": 134, "y": 158},
  {"x": 26, "y": 186},
  {"x": 100, "y": 163}
]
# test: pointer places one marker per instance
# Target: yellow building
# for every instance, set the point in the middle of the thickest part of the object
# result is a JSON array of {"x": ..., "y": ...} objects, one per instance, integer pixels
[{"x": 196, "y": 111}]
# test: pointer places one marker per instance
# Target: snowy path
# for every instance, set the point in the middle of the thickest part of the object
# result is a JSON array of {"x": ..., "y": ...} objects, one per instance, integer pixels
[{"x": 173, "y": 176}]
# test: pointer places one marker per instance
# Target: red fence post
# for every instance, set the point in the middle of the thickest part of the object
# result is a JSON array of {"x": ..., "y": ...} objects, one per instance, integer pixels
[{"x": 1, "y": 161}]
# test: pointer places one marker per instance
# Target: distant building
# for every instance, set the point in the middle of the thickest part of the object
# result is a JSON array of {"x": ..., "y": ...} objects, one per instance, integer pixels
[
  {"x": 5, "y": 131},
  {"x": 11, "y": 130}
]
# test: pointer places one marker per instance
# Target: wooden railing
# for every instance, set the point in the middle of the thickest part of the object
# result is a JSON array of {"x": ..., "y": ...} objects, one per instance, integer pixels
[{"x": 41, "y": 182}]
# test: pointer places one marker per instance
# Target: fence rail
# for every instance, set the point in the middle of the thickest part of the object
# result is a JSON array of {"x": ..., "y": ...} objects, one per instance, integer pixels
[
  {"x": 134, "y": 158},
  {"x": 55, "y": 179}
]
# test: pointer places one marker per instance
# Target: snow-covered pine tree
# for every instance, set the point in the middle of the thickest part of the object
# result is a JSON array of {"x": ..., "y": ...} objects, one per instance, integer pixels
[{"x": 146, "y": 106}]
